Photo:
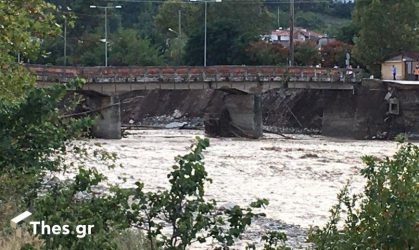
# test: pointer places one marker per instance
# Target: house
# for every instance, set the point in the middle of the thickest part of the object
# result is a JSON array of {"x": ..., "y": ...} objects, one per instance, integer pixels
[
  {"x": 282, "y": 36},
  {"x": 405, "y": 64}
]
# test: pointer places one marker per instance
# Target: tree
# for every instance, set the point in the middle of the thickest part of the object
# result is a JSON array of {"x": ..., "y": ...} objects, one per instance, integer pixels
[
  {"x": 23, "y": 26},
  {"x": 346, "y": 33},
  {"x": 226, "y": 46},
  {"x": 334, "y": 54},
  {"x": 190, "y": 216},
  {"x": 385, "y": 28},
  {"x": 385, "y": 215},
  {"x": 251, "y": 17},
  {"x": 230, "y": 30},
  {"x": 168, "y": 17},
  {"x": 128, "y": 49},
  {"x": 263, "y": 53},
  {"x": 309, "y": 20},
  {"x": 306, "y": 54}
]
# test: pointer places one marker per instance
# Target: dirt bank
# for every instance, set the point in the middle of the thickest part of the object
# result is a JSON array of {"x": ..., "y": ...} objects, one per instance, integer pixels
[{"x": 286, "y": 109}]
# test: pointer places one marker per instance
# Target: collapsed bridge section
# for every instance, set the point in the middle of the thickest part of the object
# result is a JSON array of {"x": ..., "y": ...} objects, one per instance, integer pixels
[{"x": 244, "y": 83}]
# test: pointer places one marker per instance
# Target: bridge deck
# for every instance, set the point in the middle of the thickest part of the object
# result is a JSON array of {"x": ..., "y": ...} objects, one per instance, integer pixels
[
  {"x": 243, "y": 78},
  {"x": 403, "y": 83}
]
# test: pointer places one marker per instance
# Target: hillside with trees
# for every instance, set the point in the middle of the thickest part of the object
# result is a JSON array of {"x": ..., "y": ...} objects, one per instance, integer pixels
[{"x": 146, "y": 32}]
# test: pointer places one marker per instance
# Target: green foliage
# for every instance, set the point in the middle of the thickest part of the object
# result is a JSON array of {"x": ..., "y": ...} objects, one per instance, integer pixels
[
  {"x": 346, "y": 33},
  {"x": 263, "y": 53},
  {"x": 306, "y": 54},
  {"x": 75, "y": 204},
  {"x": 33, "y": 139},
  {"x": 251, "y": 17},
  {"x": 334, "y": 54},
  {"x": 33, "y": 131},
  {"x": 386, "y": 215},
  {"x": 230, "y": 31},
  {"x": 226, "y": 45},
  {"x": 309, "y": 20},
  {"x": 401, "y": 138},
  {"x": 127, "y": 41},
  {"x": 132, "y": 240},
  {"x": 23, "y": 25},
  {"x": 147, "y": 24},
  {"x": 274, "y": 240},
  {"x": 183, "y": 208},
  {"x": 385, "y": 28},
  {"x": 168, "y": 17}
]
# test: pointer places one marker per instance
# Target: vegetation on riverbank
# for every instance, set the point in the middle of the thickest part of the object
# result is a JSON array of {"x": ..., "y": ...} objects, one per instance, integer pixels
[
  {"x": 385, "y": 215},
  {"x": 36, "y": 141}
]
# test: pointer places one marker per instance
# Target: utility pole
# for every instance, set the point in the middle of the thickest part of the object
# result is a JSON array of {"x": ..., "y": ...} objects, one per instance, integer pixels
[
  {"x": 291, "y": 24},
  {"x": 106, "y": 26},
  {"x": 205, "y": 36},
  {"x": 106, "y": 37},
  {"x": 65, "y": 40},
  {"x": 179, "y": 36},
  {"x": 65, "y": 10},
  {"x": 205, "y": 25}
]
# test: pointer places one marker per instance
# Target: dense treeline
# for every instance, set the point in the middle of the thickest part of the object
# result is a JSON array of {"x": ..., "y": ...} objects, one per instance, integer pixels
[
  {"x": 147, "y": 33},
  {"x": 139, "y": 32}
]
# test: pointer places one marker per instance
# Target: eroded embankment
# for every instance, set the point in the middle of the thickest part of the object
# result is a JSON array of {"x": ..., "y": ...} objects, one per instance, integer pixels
[{"x": 286, "y": 109}]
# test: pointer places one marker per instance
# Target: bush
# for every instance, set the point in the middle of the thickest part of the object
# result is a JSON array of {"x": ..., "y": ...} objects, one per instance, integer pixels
[
  {"x": 33, "y": 139},
  {"x": 306, "y": 54},
  {"x": 75, "y": 203},
  {"x": 171, "y": 219},
  {"x": 183, "y": 208},
  {"x": 385, "y": 216}
]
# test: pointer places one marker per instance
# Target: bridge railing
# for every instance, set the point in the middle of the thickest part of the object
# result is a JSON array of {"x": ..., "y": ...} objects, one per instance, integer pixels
[{"x": 191, "y": 74}]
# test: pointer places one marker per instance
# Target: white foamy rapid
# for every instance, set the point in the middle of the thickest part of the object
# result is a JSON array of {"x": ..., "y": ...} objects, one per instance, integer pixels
[{"x": 300, "y": 176}]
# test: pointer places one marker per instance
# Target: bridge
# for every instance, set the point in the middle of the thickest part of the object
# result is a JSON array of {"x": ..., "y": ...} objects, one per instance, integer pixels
[
  {"x": 244, "y": 83},
  {"x": 248, "y": 79}
]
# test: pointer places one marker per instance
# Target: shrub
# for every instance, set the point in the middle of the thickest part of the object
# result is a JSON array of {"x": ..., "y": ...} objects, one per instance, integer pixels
[
  {"x": 75, "y": 203},
  {"x": 33, "y": 139},
  {"x": 171, "y": 219},
  {"x": 385, "y": 216},
  {"x": 183, "y": 208}
]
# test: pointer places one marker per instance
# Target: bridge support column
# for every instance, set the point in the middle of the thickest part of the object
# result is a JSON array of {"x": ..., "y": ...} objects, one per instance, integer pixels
[
  {"x": 241, "y": 116},
  {"x": 107, "y": 124}
]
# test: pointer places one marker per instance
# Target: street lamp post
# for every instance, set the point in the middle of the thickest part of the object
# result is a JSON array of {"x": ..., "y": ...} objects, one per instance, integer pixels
[
  {"x": 65, "y": 33},
  {"x": 179, "y": 36},
  {"x": 205, "y": 25},
  {"x": 106, "y": 26},
  {"x": 65, "y": 41}
]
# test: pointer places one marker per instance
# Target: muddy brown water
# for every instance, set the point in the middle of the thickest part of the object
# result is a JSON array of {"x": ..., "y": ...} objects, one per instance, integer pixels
[{"x": 300, "y": 175}]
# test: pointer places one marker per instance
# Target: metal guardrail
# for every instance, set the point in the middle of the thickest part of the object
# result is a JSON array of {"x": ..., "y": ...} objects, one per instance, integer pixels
[{"x": 186, "y": 74}]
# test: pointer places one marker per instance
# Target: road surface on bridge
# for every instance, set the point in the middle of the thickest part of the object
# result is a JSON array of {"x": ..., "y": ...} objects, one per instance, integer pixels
[{"x": 250, "y": 79}]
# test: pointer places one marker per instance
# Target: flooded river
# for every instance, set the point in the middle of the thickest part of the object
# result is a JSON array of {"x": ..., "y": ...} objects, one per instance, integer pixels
[{"x": 300, "y": 175}]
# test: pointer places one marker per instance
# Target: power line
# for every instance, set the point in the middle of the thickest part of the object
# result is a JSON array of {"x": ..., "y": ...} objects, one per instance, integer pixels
[
  {"x": 291, "y": 24},
  {"x": 231, "y": 1}
]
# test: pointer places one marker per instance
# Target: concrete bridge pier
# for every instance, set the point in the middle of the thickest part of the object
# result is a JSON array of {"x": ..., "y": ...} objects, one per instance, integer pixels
[
  {"x": 241, "y": 116},
  {"x": 107, "y": 124}
]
